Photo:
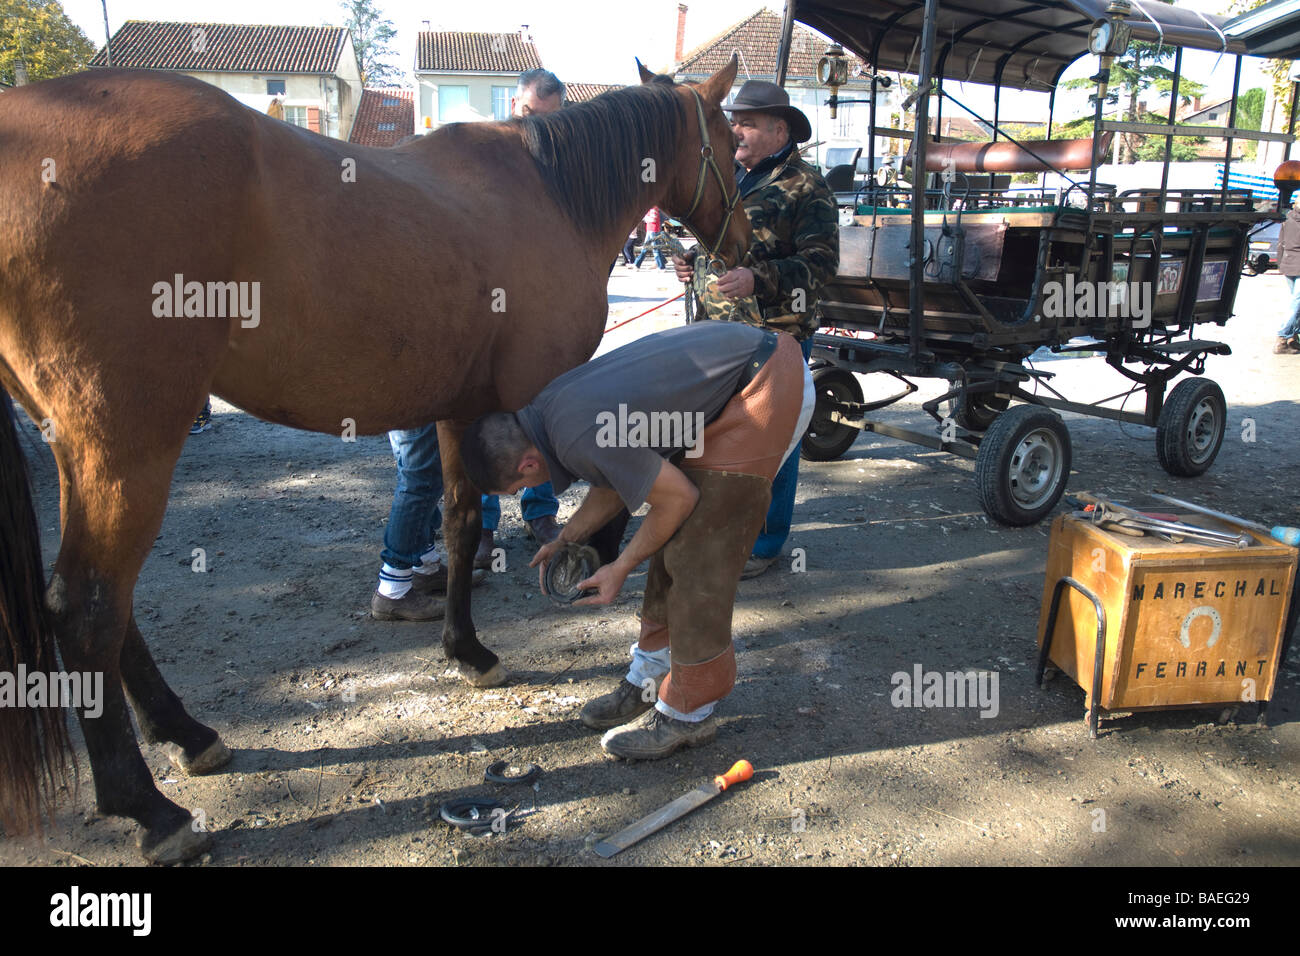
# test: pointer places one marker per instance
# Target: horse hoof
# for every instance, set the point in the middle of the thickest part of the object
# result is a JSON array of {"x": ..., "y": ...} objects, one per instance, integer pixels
[
  {"x": 216, "y": 755},
  {"x": 493, "y": 677},
  {"x": 183, "y": 843}
]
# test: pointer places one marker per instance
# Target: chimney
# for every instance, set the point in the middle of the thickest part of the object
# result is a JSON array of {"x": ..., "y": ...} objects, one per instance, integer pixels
[
  {"x": 1196, "y": 104},
  {"x": 681, "y": 33},
  {"x": 524, "y": 35},
  {"x": 424, "y": 25}
]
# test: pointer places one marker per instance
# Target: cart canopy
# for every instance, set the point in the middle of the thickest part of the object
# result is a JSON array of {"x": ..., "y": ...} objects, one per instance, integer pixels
[{"x": 1013, "y": 43}]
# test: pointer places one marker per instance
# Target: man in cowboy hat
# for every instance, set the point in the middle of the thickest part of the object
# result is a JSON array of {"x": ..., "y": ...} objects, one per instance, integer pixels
[{"x": 795, "y": 252}]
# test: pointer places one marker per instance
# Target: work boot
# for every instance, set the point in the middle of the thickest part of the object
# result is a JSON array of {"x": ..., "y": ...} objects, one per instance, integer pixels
[
  {"x": 625, "y": 702},
  {"x": 436, "y": 583},
  {"x": 483, "y": 556},
  {"x": 1285, "y": 346},
  {"x": 411, "y": 606},
  {"x": 654, "y": 735},
  {"x": 756, "y": 566},
  {"x": 543, "y": 530}
]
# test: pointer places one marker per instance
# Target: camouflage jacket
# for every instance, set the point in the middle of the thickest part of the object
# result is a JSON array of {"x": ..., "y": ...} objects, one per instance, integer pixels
[{"x": 795, "y": 251}]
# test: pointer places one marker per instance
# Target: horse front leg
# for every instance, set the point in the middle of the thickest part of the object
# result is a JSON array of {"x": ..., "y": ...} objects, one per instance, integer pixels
[{"x": 461, "y": 529}]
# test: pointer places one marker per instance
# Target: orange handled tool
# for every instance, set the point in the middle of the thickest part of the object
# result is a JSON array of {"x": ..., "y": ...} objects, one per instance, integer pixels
[{"x": 740, "y": 771}]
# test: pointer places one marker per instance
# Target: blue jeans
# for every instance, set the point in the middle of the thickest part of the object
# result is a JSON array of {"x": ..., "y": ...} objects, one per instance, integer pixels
[
  {"x": 651, "y": 243},
  {"x": 534, "y": 503},
  {"x": 1292, "y": 324},
  {"x": 415, "y": 517},
  {"x": 781, "y": 512}
]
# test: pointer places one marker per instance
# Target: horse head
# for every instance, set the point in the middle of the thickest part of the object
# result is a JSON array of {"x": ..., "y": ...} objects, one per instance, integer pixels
[{"x": 704, "y": 196}]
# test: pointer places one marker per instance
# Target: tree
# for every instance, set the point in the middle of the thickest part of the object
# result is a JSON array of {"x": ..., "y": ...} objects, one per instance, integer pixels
[
  {"x": 370, "y": 36},
  {"x": 38, "y": 34}
]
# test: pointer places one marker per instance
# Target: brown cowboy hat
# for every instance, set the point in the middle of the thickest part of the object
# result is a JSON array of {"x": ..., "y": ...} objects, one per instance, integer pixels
[{"x": 764, "y": 97}]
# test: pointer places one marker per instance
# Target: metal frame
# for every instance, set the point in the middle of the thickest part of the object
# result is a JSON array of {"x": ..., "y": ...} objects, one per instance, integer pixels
[{"x": 1099, "y": 659}]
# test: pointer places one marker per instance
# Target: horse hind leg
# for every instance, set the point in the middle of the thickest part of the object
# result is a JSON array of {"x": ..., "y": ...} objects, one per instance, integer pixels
[
  {"x": 192, "y": 747},
  {"x": 112, "y": 507}
]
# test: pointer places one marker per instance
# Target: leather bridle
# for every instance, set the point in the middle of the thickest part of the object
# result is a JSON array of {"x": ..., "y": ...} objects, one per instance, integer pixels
[{"x": 709, "y": 162}]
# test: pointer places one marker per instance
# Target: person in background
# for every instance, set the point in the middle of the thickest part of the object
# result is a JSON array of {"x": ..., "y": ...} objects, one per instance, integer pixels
[
  {"x": 653, "y": 222},
  {"x": 1288, "y": 263}
]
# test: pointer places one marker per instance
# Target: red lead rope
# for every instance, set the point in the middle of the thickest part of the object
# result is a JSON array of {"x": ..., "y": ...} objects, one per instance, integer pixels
[{"x": 646, "y": 312}]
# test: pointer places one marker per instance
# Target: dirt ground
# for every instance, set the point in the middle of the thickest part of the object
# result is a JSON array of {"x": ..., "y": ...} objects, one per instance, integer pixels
[{"x": 902, "y": 569}]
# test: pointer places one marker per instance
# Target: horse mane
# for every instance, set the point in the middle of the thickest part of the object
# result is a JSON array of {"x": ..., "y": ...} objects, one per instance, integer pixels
[{"x": 590, "y": 155}]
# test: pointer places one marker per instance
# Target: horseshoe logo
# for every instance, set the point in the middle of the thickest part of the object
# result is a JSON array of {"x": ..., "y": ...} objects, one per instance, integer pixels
[{"x": 1184, "y": 634}]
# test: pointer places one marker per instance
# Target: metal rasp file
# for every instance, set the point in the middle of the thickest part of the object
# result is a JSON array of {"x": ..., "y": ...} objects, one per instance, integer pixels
[{"x": 741, "y": 771}]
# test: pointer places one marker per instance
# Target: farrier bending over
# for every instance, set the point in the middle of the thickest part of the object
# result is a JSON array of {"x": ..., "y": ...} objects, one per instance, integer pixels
[{"x": 708, "y": 492}]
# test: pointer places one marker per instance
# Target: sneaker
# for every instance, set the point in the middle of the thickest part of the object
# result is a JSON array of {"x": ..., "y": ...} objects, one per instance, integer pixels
[
  {"x": 654, "y": 735},
  {"x": 543, "y": 530},
  {"x": 411, "y": 606},
  {"x": 625, "y": 702},
  {"x": 756, "y": 566},
  {"x": 436, "y": 583},
  {"x": 483, "y": 556},
  {"x": 203, "y": 421}
]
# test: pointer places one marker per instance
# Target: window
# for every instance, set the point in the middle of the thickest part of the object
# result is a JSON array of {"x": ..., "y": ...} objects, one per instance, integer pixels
[
  {"x": 451, "y": 99},
  {"x": 386, "y": 127},
  {"x": 275, "y": 87},
  {"x": 501, "y": 102},
  {"x": 844, "y": 122},
  {"x": 297, "y": 115}
]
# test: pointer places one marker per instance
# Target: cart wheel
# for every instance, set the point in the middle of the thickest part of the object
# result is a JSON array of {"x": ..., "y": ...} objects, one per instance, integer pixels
[
  {"x": 1023, "y": 465},
  {"x": 976, "y": 411},
  {"x": 1191, "y": 427},
  {"x": 825, "y": 439}
]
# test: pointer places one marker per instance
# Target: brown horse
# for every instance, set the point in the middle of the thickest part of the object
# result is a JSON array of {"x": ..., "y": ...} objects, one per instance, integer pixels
[{"x": 158, "y": 242}]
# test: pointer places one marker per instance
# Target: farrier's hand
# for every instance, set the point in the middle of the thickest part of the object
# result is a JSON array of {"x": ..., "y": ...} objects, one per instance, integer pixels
[
  {"x": 607, "y": 581},
  {"x": 684, "y": 268},
  {"x": 737, "y": 283},
  {"x": 542, "y": 558}
]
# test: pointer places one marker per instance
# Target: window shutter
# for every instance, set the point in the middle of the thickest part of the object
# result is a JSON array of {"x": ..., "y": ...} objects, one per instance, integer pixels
[{"x": 313, "y": 118}]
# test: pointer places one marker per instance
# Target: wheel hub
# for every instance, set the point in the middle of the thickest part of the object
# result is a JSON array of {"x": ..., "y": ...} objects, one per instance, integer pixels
[
  {"x": 1035, "y": 468},
  {"x": 1202, "y": 429}
]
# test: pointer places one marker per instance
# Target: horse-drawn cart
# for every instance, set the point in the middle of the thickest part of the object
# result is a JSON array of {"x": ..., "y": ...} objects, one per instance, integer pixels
[{"x": 957, "y": 278}]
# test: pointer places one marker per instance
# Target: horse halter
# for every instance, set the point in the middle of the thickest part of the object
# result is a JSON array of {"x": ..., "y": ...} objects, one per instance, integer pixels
[{"x": 709, "y": 162}]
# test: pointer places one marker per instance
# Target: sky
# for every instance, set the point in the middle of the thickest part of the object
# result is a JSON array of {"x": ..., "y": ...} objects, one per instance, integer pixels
[{"x": 594, "y": 41}]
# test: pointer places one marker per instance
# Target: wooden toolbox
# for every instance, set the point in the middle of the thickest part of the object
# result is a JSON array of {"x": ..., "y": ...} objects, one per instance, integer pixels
[{"x": 1186, "y": 624}]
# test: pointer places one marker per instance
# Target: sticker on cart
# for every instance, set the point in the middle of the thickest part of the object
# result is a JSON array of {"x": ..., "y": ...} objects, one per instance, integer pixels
[
  {"x": 1170, "y": 278},
  {"x": 1211, "y": 284}
]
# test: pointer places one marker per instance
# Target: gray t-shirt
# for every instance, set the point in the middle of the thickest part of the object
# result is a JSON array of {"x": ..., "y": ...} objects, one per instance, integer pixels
[{"x": 613, "y": 420}]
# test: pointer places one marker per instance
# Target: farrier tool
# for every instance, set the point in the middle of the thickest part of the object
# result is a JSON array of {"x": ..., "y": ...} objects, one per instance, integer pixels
[
  {"x": 1281, "y": 533},
  {"x": 741, "y": 771},
  {"x": 1120, "y": 517}
]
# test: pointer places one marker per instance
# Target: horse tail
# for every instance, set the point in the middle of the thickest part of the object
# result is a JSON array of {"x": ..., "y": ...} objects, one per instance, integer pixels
[{"x": 35, "y": 752}]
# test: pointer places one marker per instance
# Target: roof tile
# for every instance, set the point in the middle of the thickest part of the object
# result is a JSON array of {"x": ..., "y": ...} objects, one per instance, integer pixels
[
  {"x": 225, "y": 47},
  {"x": 476, "y": 53}
]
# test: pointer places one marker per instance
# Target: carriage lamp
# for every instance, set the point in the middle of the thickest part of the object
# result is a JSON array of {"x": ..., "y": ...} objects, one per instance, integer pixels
[
  {"x": 833, "y": 71},
  {"x": 1109, "y": 37}
]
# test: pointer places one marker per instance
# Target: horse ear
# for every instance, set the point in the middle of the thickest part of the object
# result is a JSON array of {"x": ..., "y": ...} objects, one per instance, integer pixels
[
  {"x": 716, "y": 87},
  {"x": 647, "y": 76}
]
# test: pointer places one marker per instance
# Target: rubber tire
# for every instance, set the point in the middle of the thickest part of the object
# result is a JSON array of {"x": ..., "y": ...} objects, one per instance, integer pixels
[
  {"x": 831, "y": 383},
  {"x": 980, "y": 413},
  {"x": 996, "y": 453},
  {"x": 1172, "y": 446}
]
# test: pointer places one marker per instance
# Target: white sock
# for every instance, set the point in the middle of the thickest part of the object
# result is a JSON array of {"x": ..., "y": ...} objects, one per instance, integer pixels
[
  {"x": 430, "y": 562},
  {"x": 693, "y": 717},
  {"x": 394, "y": 582}
]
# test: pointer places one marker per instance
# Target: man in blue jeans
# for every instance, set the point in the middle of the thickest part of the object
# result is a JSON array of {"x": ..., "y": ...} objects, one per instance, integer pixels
[
  {"x": 795, "y": 251},
  {"x": 413, "y": 570}
]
